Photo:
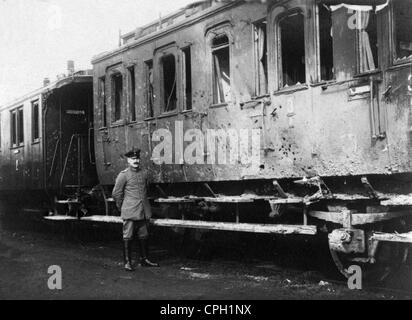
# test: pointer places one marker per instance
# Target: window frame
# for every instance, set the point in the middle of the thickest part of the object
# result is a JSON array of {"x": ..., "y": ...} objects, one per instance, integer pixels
[
  {"x": 164, "y": 54},
  {"x": 319, "y": 49},
  {"x": 184, "y": 78},
  {"x": 132, "y": 91},
  {"x": 256, "y": 60},
  {"x": 15, "y": 124},
  {"x": 33, "y": 138},
  {"x": 278, "y": 50},
  {"x": 113, "y": 75},
  {"x": 149, "y": 101},
  {"x": 158, "y": 81},
  {"x": 226, "y": 28},
  {"x": 102, "y": 85},
  {"x": 214, "y": 75},
  {"x": 377, "y": 69}
]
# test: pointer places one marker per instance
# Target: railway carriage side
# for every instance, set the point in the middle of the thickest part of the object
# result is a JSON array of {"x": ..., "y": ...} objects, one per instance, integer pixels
[
  {"x": 47, "y": 144},
  {"x": 245, "y": 107},
  {"x": 21, "y": 150}
]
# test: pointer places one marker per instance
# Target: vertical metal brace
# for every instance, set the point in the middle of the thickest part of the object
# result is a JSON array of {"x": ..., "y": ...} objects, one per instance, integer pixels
[
  {"x": 347, "y": 219},
  {"x": 305, "y": 215}
]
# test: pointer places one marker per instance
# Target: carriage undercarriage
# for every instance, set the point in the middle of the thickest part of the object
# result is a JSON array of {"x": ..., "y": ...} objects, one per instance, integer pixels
[{"x": 370, "y": 229}]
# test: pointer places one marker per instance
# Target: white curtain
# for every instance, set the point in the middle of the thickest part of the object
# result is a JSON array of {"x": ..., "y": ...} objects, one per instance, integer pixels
[
  {"x": 262, "y": 56},
  {"x": 366, "y": 60}
]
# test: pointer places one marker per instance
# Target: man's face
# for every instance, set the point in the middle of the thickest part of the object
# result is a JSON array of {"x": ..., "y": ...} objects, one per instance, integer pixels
[{"x": 134, "y": 162}]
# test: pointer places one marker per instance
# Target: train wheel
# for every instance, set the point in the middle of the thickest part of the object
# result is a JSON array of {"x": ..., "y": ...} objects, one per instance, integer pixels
[{"x": 379, "y": 259}]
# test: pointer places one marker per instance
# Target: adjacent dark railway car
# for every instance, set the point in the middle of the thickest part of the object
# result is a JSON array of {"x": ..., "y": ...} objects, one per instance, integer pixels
[
  {"x": 47, "y": 151},
  {"x": 326, "y": 87}
]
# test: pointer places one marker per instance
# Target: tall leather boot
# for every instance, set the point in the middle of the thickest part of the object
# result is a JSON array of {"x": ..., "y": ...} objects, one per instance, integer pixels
[
  {"x": 127, "y": 255},
  {"x": 144, "y": 249}
]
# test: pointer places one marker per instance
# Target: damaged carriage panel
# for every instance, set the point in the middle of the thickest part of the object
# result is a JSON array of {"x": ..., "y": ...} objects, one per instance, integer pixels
[{"x": 328, "y": 101}]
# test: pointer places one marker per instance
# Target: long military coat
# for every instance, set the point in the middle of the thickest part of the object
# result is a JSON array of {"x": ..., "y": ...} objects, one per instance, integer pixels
[{"x": 130, "y": 194}]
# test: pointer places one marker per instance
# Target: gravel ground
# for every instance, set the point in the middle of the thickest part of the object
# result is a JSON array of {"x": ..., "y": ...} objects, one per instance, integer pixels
[{"x": 91, "y": 269}]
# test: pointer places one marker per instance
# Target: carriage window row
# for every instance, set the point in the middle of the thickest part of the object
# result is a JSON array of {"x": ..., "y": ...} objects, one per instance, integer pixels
[
  {"x": 291, "y": 50},
  {"x": 17, "y": 125}
]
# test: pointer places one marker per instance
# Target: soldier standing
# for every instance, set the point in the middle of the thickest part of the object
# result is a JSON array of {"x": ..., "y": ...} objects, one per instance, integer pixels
[{"x": 130, "y": 194}]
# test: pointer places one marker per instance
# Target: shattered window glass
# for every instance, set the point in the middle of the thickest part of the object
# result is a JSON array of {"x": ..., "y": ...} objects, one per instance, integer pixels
[
  {"x": 292, "y": 47},
  {"x": 168, "y": 63},
  {"x": 260, "y": 34},
  {"x": 221, "y": 69}
]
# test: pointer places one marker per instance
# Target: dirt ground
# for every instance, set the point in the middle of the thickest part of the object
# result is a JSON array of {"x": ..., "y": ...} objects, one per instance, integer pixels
[{"x": 91, "y": 267}]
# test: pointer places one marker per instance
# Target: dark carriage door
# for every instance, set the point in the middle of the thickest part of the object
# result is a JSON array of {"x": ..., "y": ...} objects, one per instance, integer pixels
[{"x": 69, "y": 162}]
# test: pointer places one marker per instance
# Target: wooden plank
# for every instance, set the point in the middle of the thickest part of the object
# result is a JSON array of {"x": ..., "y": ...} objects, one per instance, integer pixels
[
  {"x": 237, "y": 227},
  {"x": 176, "y": 200},
  {"x": 103, "y": 219},
  {"x": 392, "y": 237},
  {"x": 349, "y": 197},
  {"x": 358, "y": 218},
  {"x": 398, "y": 200},
  {"x": 60, "y": 218},
  {"x": 287, "y": 201},
  {"x": 206, "y": 225},
  {"x": 267, "y": 198},
  {"x": 335, "y": 217},
  {"x": 279, "y": 189},
  {"x": 234, "y": 199}
]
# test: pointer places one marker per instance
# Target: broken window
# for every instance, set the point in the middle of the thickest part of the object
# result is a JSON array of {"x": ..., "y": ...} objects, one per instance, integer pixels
[
  {"x": 118, "y": 95},
  {"x": 325, "y": 43},
  {"x": 221, "y": 69},
  {"x": 132, "y": 97},
  {"x": 149, "y": 88},
  {"x": 188, "y": 77},
  {"x": 102, "y": 89},
  {"x": 17, "y": 134},
  {"x": 260, "y": 34},
  {"x": 366, "y": 26},
  {"x": 292, "y": 48},
  {"x": 35, "y": 121},
  {"x": 168, "y": 66},
  {"x": 402, "y": 11}
]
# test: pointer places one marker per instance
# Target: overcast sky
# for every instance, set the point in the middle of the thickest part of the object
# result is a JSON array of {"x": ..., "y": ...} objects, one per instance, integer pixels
[{"x": 37, "y": 37}]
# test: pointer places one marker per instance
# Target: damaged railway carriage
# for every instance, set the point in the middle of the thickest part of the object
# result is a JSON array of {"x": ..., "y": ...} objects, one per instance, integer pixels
[
  {"x": 47, "y": 147},
  {"x": 327, "y": 85}
]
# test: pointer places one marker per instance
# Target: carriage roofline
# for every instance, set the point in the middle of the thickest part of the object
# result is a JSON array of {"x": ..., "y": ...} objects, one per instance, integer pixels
[
  {"x": 77, "y": 77},
  {"x": 132, "y": 39},
  {"x": 191, "y": 20}
]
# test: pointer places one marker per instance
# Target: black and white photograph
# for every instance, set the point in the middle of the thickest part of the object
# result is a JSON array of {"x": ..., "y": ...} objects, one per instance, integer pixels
[{"x": 207, "y": 154}]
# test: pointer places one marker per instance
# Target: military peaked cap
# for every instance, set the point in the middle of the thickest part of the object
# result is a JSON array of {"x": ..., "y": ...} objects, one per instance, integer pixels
[{"x": 135, "y": 153}]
